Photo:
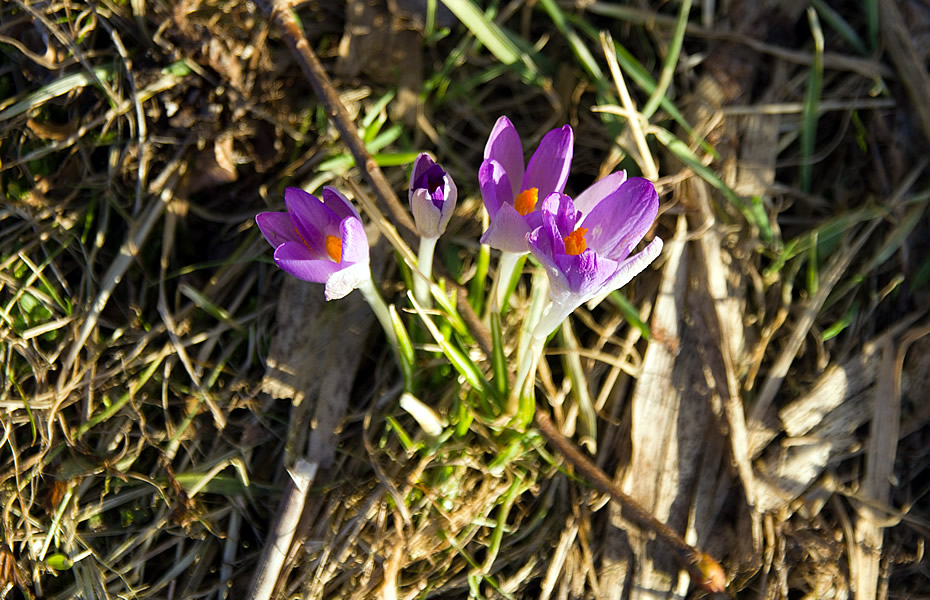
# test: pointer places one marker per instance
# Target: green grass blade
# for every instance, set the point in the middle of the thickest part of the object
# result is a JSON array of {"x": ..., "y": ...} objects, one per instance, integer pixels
[
  {"x": 493, "y": 37},
  {"x": 671, "y": 60},
  {"x": 829, "y": 232},
  {"x": 458, "y": 359},
  {"x": 871, "y": 18},
  {"x": 842, "y": 27},
  {"x": 405, "y": 350},
  {"x": 756, "y": 218},
  {"x": 498, "y": 357},
  {"x": 813, "y": 276},
  {"x": 447, "y": 304},
  {"x": 403, "y": 437},
  {"x": 503, "y": 511},
  {"x": 57, "y": 88},
  {"x": 845, "y": 321},
  {"x": 811, "y": 108},
  {"x": 630, "y": 313},
  {"x": 480, "y": 280},
  {"x": 209, "y": 307},
  {"x": 580, "y": 50},
  {"x": 641, "y": 77}
]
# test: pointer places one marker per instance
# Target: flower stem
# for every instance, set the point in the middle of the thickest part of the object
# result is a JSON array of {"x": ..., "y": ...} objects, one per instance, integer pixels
[
  {"x": 376, "y": 302},
  {"x": 505, "y": 267},
  {"x": 532, "y": 341},
  {"x": 425, "y": 265},
  {"x": 526, "y": 374}
]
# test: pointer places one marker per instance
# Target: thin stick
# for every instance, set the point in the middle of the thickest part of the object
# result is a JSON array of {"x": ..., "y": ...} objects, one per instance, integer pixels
[
  {"x": 636, "y": 127},
  {"x": 282, "y": 16},
  {"x": 702, "y": 567},
  {"x": 282, "y": 534}
]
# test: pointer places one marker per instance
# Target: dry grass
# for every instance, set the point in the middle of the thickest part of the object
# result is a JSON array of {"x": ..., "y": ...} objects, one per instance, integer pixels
[{"x": 761, "y": 390}]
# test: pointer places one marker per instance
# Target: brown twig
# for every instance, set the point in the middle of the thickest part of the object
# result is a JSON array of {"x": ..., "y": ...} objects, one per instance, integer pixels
[
  {"x": 281, "y": 15},
  {"x": 702, "y": 567}
]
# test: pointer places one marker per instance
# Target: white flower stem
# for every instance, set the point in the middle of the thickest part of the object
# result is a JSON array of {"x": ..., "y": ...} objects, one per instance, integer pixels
[
  {"x": 552, "y": 318},
  {"x": 376, "y": 302},
  {"x": 425, "y": 266},
  {"x": 532, "y": 341},
  {"x": 526, "y": 374},
  {"x": 505, "y": 267}
]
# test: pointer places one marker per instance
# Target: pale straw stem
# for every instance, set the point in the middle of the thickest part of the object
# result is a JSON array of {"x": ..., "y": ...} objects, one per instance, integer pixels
[{"x": 282, "y": 533}]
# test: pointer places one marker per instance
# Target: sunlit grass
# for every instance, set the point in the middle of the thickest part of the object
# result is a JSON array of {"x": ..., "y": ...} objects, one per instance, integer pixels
[{"x": 138, "y": 306}]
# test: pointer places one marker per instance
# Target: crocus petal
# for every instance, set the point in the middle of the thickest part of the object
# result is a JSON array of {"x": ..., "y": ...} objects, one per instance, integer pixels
[
  {"x": 560, "y": 210},
  {"x": 548, "y": 168},
  {"x": 630, "y": 268},
  {"x": 354, "y": 242},
  {"x": 432, "y": 197},
  {"x": 508, "y": 231},
  {"x": 505, "y": 147},
  {"x": 588, "y": 199},
  {"x": 576, "y": 278},
  {"x": 619, "y": 221},
  {"x": 541, "y": 244},
  {"x": 451, "y": 195},
  {"x": 311, "y": 218},
  {"x": 338, "y": 203},
  {"x": 345, "y": 280},
  {"x": 495, "y": 186},
  {"x": 425, "y": 214},
  {"x": 585, "y": 273},
  {"x": 420, "y": 165},
  {"x": 300, "y": 261},
  {"x": 569, "y": 274},
  {"x": 565, "y": 304},
  {"x": 276, "y": 227}
]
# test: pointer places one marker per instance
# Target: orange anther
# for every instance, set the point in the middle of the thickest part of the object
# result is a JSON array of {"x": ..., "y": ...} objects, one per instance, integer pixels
[
  {"x": 525, "y": 202},
  {"x": 334, "y": 248},
  {"x": 575, "y": 243}
]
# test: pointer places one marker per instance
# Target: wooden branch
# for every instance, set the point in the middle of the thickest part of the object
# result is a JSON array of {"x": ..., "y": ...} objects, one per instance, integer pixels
[{"x": 280, "y": 14}]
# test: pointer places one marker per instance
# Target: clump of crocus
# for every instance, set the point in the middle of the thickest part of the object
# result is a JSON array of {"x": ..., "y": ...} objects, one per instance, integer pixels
[
  {"x": 432, "y": 201},
  {"x": 319, "y": 241},
  {"x": 512, "y": 189}
]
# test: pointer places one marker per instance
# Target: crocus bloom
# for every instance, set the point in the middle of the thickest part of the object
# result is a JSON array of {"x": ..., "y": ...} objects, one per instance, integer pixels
[
  {"x": 585, "y": 256},
  {"x": 511, "y": 191},
  {"x": 432, "y": 197},
  {"x": 319, "y": 241}
]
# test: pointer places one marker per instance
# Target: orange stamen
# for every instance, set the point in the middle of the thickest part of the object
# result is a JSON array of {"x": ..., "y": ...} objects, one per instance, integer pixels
[
  {"x": 334, "y": 248},
  {"x": 525, "y": 202},
  {"x": 575, "y": 243}
]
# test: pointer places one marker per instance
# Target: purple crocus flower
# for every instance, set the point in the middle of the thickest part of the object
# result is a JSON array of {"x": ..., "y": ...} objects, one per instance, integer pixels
[
  {"x": 585, "y": 256},
  {"x": 511, "y": 191},
  {"x": 319, "y": 241},
  {"x": 432, "y": 196}
]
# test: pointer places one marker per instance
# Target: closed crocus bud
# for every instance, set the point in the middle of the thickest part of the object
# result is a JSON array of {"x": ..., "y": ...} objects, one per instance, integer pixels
[{"x": 432, "y": 197}]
